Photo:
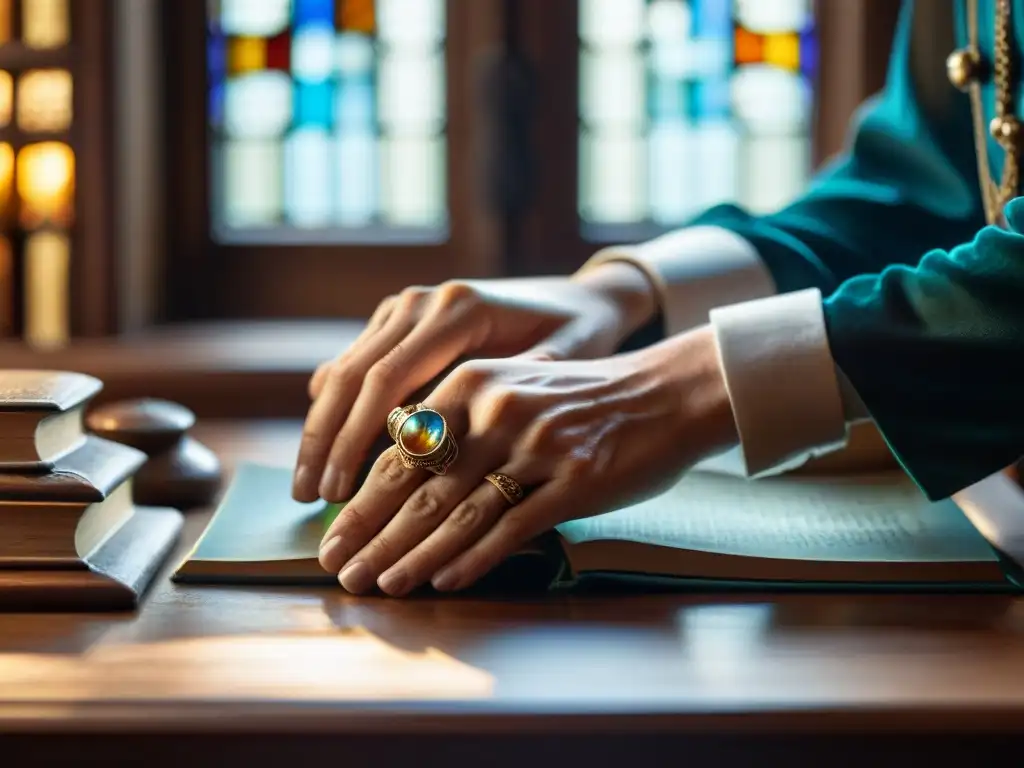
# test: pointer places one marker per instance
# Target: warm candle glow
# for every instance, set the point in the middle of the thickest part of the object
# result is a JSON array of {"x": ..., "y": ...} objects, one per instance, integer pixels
[
  {"x": 6, "y": 98},
  {"x": 46, "y": 183},
  {"x": 44, "y": 100},
  {"x": 5, "y": 21},
  {"x": 6, "y": 179},
  {"x": 45, "y": 23},
  {"x": 46, "y": 289}
]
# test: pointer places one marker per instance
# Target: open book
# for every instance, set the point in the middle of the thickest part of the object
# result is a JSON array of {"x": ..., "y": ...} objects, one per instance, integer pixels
[{"x": 713, "y": 528}]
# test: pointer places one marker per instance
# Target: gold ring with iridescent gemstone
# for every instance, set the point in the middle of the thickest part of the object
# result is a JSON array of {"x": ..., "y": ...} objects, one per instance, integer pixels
[{"x": 422, "y": 438}]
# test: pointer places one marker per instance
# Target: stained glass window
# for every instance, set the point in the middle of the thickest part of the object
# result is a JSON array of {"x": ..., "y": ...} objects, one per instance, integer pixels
[
  {"x": 688, "y": 103},
  {"x": 37, "y": 171},
  {"x": 328, "y": 120}
]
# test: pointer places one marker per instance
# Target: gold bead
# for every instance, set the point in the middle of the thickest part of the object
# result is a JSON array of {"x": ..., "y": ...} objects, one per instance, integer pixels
[
  {"x": 963, "y": 67},
  {"x": 1005, "y": 130}
]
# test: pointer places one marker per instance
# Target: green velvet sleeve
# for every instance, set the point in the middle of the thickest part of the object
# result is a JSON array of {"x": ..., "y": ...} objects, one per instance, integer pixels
[
  {"x": 936, "y": 352},
  {"x": 925, "y": 313}
]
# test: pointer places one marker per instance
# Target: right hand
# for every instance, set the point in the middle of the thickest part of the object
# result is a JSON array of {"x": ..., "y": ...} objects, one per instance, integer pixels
[{"x": 415, "y": 336}]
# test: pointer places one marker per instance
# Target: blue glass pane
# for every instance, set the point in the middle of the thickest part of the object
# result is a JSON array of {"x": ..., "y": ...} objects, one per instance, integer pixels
[
  {"x": 313, "y": 104},
  {"x": 710, "y": 100},
  {"x": 667, "y": 98},
  {"x": 216, "y": 107},
  {"x": 712, "y": 18},
  {"x": 809, "y": 54},
  {"x": 313, "y": 12},
  {"x": 354, "y": 108},
  {"x": 216, "y": 57}
]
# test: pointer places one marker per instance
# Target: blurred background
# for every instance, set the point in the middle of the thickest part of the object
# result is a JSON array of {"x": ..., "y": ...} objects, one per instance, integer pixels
[{"x": 199, "y": 199}]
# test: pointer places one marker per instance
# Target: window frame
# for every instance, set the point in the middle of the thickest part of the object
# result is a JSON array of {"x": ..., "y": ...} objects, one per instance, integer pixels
[
  {"x": 92, "y": 267},
  {"x": 208, "y": 280}
]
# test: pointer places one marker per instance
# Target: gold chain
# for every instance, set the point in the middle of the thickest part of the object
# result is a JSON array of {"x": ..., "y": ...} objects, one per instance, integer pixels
[{"x": 994, "y": 196}]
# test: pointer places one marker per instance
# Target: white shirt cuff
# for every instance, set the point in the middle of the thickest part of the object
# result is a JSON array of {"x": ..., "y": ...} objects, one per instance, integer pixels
[
  {"x": 695, "y": 270},
  {"x": 781, "y": 378}
]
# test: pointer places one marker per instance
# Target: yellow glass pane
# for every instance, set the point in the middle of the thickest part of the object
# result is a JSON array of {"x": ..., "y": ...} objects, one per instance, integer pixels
[
  {"x": 6, "y": 179},
  {"x": 5, "y": 21},
  {"x": 246, "y": 54},
  {"x": 45, "y": 23},
  {"x": 46, "y": 184},
  {"x": 44, "y": 100},
  {"x": 782, "y": 50},
  {"x": 6, "y": 98},
  {"x": 6, "y": 288},
  {"x": 47, "y": 257}
]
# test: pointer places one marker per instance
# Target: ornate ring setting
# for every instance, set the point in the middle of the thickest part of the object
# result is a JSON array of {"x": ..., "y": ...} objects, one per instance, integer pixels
[
  {"x": 509, "y": 488},
  {"x": 422, "y": 438}
]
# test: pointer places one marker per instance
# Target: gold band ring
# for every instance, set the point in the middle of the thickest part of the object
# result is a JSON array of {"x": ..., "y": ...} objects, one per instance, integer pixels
[
  {"x": 509, "y": 488},
  {"x": 422, "y": 438}
]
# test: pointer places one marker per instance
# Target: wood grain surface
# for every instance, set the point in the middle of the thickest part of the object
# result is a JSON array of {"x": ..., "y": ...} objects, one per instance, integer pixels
[{"x": 200, "y": 673}]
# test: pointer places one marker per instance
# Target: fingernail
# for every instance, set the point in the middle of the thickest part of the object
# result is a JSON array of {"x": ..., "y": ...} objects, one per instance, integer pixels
[
  {"x": 328, "y": 483},
  {"x": 300, "y": 489},
  {"x": 445, "y": 581},
  {"x": 330, "y": 547},
  {"x": 356, "y": 578},
  {"x": 394, "y": 582}
]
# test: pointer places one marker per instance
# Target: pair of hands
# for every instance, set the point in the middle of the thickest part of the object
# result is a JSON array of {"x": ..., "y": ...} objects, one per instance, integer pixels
[{"x": 544, "y": 403}]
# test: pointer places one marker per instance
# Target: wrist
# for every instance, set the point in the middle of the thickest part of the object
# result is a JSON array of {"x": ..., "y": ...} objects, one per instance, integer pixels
[
  {"x": 692, "y": 365},
  {"x": 626, "y": 288}
]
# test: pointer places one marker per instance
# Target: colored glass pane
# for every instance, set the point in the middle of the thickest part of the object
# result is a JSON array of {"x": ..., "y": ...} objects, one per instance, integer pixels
[
  {"x": 356, "y": 16},
  {"x": 279, "y": 50},
  {"x": 327, "y": 114},
  {"x": 724, "y": 88},
  {"x": 246, "y": 54}
]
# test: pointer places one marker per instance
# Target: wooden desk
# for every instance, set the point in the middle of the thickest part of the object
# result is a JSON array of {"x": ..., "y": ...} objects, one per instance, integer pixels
[{"x": 217, "y": 676}]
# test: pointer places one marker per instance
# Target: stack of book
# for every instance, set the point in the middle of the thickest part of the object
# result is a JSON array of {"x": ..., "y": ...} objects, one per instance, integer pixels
[{"x": 71, "y": 537}]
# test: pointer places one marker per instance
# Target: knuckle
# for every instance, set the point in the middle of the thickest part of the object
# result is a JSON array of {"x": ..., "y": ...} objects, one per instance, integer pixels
[
  {"x": 542, "y": 437},
  {"x": 409, "y": 300},
  {"x": 455, "y": 293},
  {"x": 502, "y": 406},
  {"x": 575, "y": 468},
  {"x": 471, "y": 375},
  {"x": 391, "y": 469},
  {"x": 467, "y": 515},
  {"x": 384, "y": 371},
  {"x": 424, "y": 504}
]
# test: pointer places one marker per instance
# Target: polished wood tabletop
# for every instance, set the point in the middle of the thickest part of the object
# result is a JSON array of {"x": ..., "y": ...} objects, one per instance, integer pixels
[{"x": 314, "y": 669}]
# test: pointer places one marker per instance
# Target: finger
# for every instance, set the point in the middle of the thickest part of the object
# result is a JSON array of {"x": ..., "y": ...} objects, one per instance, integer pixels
[
  {"x": 422, "y": 512},
  {"x": 528, "y": 519},
  {"x": 373, "y": 325},
  {"x": 387, "y": 487},
  {"x": 427, "y": 351},
  {"x": 330, "y": 410},
  {"x": 462, "y": 528}
]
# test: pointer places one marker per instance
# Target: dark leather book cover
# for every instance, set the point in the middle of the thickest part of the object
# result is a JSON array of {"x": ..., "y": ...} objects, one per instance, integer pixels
[
  {"x": 46, "y": 391},
  {"x": 86, "y": 475}
]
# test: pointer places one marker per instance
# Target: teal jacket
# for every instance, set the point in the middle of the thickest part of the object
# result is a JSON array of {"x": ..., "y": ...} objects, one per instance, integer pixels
[{"x": 925, "y": 303}]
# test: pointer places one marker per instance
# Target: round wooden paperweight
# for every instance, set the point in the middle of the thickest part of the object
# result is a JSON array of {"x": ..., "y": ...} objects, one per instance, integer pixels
[{"x": 181, "y": 472}]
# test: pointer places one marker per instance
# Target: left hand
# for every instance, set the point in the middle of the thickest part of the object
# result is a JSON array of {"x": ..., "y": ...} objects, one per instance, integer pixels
[{"x": 581, "y": 437}]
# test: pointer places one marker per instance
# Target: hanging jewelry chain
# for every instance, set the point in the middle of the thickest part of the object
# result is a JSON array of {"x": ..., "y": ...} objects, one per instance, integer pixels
[{"x": 1004, "y": 127}]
